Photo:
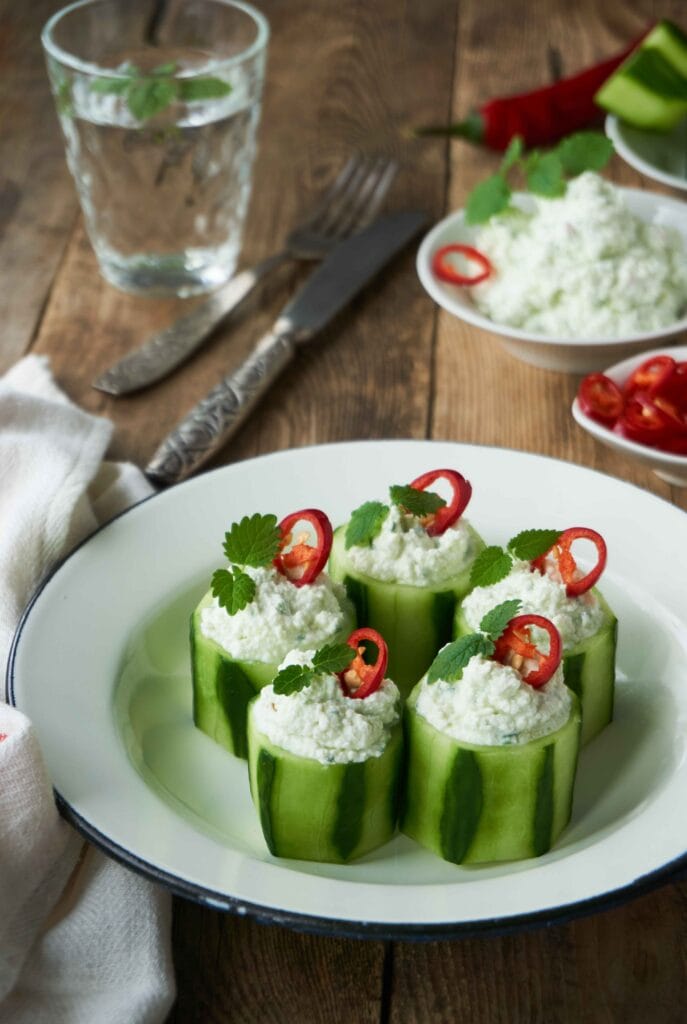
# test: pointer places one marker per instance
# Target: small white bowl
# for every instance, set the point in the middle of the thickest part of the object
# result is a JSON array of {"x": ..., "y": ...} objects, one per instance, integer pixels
[
  {"x": 671, "y": 468},
  {"x": 659, "y": 155},
  {"x": 568, "y": 355}
]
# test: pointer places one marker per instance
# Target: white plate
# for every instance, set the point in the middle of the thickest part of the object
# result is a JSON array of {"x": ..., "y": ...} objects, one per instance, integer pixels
[
  {"x": 100, "y": 664},
  {"x": 669, "y": 467},
  {"x": 659, "y": 155},
  {"x": 570, "y": 355}
]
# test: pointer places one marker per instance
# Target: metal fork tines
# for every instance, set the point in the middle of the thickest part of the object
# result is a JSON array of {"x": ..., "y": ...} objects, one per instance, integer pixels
[{"x": 350, "y": 204}]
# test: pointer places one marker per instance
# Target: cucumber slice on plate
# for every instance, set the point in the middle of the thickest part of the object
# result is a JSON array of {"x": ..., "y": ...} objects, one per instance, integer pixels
[
  {"x": 671, "y": 42},
  {"x": 474, "y": 804},
  {"x": 588, "y": 670},
  {"x": 224, "y": 686},
  {"x": 414, "y": 621},
  {"x": 647, "y": 91},
  {"x": 324, "y": 812}
]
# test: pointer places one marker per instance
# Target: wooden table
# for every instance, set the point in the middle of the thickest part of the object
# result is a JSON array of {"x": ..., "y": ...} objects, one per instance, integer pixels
[{"x": 342, "y": 76}]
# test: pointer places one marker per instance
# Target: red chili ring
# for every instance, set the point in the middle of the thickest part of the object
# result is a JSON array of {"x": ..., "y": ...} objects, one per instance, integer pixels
[
  {"x": 512, "y": 643},
  {"x": 371, "y": 676},
  {"x": 451, "y": 512},
  {"x": 446, "y": 272},
  {"x": 313, "y": 563},
  {"x": 564, "y": 557}
]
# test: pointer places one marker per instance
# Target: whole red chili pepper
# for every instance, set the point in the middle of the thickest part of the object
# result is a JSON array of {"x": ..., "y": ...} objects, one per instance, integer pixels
[{"x": 541, "y": 117}]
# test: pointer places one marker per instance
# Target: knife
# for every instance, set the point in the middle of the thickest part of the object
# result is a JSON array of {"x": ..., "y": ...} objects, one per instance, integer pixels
[{"x": 348, "y": 268}]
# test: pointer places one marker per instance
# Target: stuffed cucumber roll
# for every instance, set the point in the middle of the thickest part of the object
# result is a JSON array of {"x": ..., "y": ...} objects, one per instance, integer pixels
[
  {"x": 324, "y": 753},
  {"x": 552, "y": 584},
  {"x": 492, "y": 736},
  {"x": 273, "y": 598},
  {"x": 406, "y": 567}
]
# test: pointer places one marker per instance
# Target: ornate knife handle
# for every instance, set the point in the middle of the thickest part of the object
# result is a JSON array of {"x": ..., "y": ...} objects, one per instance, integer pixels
[
  {"x": 212, "y": 422},
  {"x": 167, "y": 349}
]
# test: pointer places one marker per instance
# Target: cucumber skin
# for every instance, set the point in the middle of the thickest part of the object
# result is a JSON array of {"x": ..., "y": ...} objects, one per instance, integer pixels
[
  {"x": 223, "y": 686},
  {"x": 415, "y": 621},
  {"x": 331, "y": 813},
  {"x": 647, "y": 91},
  {"x": 588, "y": 670},
  {"x": 475, "y": 804}
]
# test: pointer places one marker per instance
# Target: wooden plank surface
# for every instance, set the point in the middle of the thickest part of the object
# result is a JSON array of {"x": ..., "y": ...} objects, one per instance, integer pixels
[{"x": 344, "y": 76}]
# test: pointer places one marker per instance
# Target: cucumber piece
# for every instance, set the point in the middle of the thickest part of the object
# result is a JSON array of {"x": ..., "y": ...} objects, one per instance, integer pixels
[
  {"x": 646, "y": 91},
  {"x": 588, "y": 670},
  {"x": 671, "y": 42},
  {"x": 324, "y": 812},
  {"x": 414, "y": 621},
  {"x": 474, "y": 804},
  {"x": 224, "y": 686}
]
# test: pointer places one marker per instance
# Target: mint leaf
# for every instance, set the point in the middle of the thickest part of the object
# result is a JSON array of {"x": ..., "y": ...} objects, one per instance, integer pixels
[
  {"x": 233, "y": 589},
  {"x": 253, "y": 541},
  {"x": 418, "y": 503},
  {"x": 365, "y": 524},
  {"x": 146, "y": 97},
  {"x": 202, "y": 89},
  {"x": 584, "y": 151},
  {"x": 531, "y": 544},
  {"x": 491, "y": 565},
  {"x": 495, "y": 621},
  {"x": 545, "y": 175},
  {"x": 292, "y": 679},
  {"x": 332, "y": 658},
  {"x": 165, "y": 69},
  {"x": 512, "y": 154},
  {"x": 452, "y": 659},
  {"x": 489, "y": 197},
  {"x": 111, "y": 85}
]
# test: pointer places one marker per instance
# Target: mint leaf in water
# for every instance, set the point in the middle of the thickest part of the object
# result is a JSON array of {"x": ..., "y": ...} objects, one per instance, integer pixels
[
  {"x": 544, "y": 175},
  {"x": 584, "y": 151},
  {"x": 253, "y": 541},
  {"x": 491, "y": 196},
  {"x": 491, "y": 565},
  {"x": 452, "y": 659},
  {"x": 531, "y": 544},
  {"x": 418, "y": 503},
  {"x": 111, "y": 85},
  {"x": 365, "y": 524},
  {"x": 292, "y": 679},
  {"x": 202, "y": 89},
  {"x": 147, "y": 97},
  {"x": 332, "y": 658},
  {"x": 148, "y": 94},
  {"x": 495, "y": 621},
  {"x": 233, "y": 589}
]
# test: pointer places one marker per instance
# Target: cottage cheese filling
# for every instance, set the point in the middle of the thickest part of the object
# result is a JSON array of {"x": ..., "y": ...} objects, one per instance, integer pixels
[
  {"x": 320, "y": 723},
  {"x": 491, "y": 705},
  {"x": 280, "y": 618},
  {"x": 582, "y": 266},
  {"x": 575, "y": 618},
  {"x": 403, "y": 552}
]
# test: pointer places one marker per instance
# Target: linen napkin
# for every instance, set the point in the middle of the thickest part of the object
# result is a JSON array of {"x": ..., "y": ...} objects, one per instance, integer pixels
[{"x": 82, "y": 939}]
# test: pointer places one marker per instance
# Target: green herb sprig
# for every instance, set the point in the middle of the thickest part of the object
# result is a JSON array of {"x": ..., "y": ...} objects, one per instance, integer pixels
[
  {"x": 149, "y": 93},
  {"x": 494, "y": 563},
  {"x": 332, "y": 658},
  {"x": 453, "y": 658},
  {"x": 253, "y": 541},
  {"x": 366, "y": 521},
  {"x": 544, "y": 173}
]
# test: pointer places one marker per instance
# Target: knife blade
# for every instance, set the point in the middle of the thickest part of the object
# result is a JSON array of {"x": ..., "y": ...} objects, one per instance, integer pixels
[{"x": 348, "y": 268}]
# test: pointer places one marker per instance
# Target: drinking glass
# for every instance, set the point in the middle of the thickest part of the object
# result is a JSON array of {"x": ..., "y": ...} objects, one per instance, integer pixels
[{"x": 159, "y": 102}]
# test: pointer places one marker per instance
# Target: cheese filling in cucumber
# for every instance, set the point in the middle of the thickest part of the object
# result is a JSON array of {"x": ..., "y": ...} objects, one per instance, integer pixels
[
  {"x": 414, "y": 620},
  {"x": 471, "y": 803},
  {"x": 224, "y": 686},
  {"x": 588, "y": 669}
]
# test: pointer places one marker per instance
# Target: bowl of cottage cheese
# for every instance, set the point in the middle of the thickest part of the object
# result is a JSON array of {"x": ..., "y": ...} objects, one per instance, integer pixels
[{"x": 578, "y": 281}]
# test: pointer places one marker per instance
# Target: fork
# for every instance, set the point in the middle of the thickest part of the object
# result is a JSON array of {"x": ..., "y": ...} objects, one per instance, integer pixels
[{"x": 349, "y": 205}]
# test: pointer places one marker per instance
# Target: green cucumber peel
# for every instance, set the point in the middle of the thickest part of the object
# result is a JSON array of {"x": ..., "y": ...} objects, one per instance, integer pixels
[
  {"x": 330, "y": 659},
  {"x": 545, "y": 173}
]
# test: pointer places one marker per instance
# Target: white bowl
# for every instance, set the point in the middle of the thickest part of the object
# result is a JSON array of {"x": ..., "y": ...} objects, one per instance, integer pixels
[
  {"x": 569, "y": 355},
  {"x": 671, "y": 468},
  {"x": 659, "y": 155}
]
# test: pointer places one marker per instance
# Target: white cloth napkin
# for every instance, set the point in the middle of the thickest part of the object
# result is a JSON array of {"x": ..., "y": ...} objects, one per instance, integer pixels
[{"x": 82, "y": 939}]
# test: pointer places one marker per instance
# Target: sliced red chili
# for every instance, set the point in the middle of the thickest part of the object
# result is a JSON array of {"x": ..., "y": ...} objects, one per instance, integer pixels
[
  {"x": 360, "y": 679},
  {"x": 675, "y": 445},
  {"x": 300, "y": 561},
  {"x": 575, "y": 583},
  {"x": 644, "y": 422},
  {"x": 461, "y": 492},
  {"x": 445, "y": 269},
  {"x": 600, "y": 398},
  {"x": 674, "y": 386},
  {"x": 650, "y": 375},
  {"x": 516, "y": 648}
]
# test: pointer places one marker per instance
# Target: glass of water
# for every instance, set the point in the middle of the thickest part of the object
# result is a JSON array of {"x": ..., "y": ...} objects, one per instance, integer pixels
[{"x": 159, "y": 102}]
